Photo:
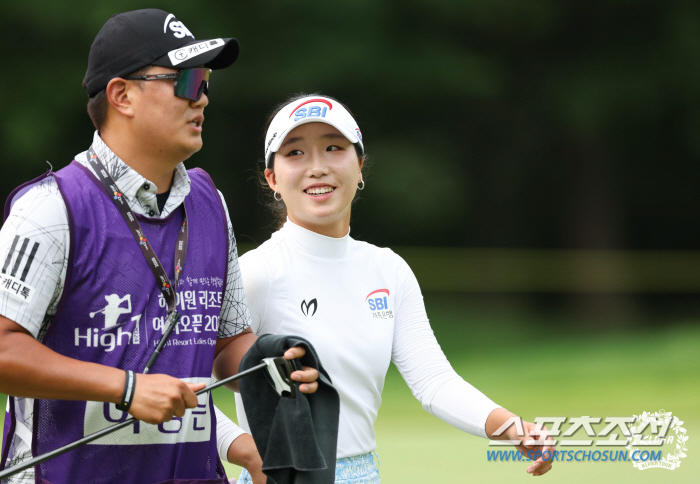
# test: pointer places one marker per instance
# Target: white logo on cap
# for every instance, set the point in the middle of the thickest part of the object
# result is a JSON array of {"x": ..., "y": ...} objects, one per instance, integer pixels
[
  {"x": 178, "y": 28},
  {"x": 183, "y": 53}
]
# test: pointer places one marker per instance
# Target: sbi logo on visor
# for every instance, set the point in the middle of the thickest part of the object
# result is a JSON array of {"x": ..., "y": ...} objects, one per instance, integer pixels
[{"x": 311, "y": 111}]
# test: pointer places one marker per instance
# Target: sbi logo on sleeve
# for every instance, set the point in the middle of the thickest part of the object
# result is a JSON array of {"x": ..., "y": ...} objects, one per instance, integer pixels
[{"x": 378, "y": 302}]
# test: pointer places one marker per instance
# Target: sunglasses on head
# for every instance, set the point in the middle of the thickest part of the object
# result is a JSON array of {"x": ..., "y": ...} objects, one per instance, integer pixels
[{"x": 189, "y": 83}]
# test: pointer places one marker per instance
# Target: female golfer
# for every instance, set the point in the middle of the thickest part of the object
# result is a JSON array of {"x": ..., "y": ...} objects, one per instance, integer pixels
[{"x": 358, "y": 304}]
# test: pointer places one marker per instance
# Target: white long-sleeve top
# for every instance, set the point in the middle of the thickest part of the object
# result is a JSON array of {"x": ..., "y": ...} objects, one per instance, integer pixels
[{"x": 361, "y": 308}]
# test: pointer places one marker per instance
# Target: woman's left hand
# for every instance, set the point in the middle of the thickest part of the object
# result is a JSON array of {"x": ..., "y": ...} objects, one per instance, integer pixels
[
  {"x": 307, "y": 375},
  {"x": 534, "y": 442}
]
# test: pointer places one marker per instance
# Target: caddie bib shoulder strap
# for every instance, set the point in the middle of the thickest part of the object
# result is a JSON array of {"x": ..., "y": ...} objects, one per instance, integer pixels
[{"x": 169, "y": 290}]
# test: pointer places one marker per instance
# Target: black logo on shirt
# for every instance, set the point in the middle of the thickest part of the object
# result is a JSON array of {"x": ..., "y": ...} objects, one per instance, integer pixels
[
  {"x": 20, "y": 255},
  {"x": 306, "y": 308}
]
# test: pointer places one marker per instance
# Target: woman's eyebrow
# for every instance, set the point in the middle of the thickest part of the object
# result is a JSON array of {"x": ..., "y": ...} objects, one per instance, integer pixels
[
  {"x": 332, "y": 136},
  {"x": 291, "y": 140},
  {"x": 300, "y": 138}
]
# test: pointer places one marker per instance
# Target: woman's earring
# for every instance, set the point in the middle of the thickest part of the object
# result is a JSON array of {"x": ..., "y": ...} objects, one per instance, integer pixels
[
  {"x": 275, "y": 196},
  {"x": 361, "y": 185}
]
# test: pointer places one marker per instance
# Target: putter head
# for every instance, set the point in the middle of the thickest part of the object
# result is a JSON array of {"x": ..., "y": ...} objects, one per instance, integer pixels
[{"x": 279, "y": 371}]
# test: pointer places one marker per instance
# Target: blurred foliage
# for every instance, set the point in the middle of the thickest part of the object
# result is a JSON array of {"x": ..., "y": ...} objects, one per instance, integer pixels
[{"x": 501, "y": 123}]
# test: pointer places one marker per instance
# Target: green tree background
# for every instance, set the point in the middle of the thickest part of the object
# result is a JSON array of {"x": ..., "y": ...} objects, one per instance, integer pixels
[
  {"x": 503, "y": 123},
  {"x": 534, "y": 124},
  {"x": 535, "y": 161}
]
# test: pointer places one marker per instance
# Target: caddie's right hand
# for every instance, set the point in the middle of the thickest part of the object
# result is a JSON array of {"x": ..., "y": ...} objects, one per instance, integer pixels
[{"x": 159, "y": 398}]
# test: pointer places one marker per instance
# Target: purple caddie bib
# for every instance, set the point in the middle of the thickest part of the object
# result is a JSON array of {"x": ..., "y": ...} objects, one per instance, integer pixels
[{"x": 112, "y": 313}]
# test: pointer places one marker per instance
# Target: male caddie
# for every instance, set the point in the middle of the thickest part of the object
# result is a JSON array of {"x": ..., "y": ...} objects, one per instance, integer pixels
[{"x": 98, "y": 258}]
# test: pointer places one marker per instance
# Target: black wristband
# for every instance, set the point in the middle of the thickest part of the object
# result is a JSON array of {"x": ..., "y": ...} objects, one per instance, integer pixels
[{"x": 128, "y": 396}]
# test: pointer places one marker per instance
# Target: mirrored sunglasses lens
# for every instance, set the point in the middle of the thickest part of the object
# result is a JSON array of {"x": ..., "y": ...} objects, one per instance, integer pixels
[{"x": 192, "y": 83}]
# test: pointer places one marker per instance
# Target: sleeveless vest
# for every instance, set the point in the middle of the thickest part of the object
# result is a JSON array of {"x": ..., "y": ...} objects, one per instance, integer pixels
[{"x": 113, "y": 313}]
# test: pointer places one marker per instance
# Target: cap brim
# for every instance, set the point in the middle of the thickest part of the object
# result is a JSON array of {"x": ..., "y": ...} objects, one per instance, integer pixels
[{"x": 217, "y": 58}]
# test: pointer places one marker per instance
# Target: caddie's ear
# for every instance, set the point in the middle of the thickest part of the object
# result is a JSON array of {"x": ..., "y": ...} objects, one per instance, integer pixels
[{"x": 117, "y": 93}]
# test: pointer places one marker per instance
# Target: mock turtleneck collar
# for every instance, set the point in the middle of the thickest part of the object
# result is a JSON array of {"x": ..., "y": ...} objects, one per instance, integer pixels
[{"x": 316, "y": 245}]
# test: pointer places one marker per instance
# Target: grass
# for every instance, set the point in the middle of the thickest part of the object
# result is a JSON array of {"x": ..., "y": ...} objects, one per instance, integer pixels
[
  {"x": 561, "y": 370},
  {"x": 552, "y": 378}
]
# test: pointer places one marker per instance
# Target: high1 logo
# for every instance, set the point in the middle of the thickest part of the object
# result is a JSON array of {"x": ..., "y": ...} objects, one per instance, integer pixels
[{"x": 109, "y": 339}]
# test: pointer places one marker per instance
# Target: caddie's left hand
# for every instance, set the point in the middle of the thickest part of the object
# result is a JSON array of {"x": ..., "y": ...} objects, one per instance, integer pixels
[{"x": 307, "y": 375}]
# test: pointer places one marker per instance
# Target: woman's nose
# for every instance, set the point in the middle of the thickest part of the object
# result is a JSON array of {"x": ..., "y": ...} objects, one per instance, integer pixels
[{"x": 319, "y": 165}]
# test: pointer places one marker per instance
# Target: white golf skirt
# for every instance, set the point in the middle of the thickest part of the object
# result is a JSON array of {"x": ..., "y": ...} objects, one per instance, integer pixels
[{"x": 359, "y": 469}]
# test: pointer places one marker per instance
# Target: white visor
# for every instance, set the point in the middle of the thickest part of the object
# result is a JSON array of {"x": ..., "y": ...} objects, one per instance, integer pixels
[{"x": 312, "y": 109}]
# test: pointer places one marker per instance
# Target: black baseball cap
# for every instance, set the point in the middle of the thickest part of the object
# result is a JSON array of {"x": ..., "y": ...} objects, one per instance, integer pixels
[{"x": 132, "y": 40}]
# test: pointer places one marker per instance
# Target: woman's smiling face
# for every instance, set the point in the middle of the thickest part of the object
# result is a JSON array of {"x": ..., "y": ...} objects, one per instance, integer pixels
[{"x": 316, "y": 171}]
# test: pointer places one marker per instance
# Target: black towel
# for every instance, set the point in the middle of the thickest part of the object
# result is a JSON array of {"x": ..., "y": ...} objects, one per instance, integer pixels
[{"x": 296, "y": 437}]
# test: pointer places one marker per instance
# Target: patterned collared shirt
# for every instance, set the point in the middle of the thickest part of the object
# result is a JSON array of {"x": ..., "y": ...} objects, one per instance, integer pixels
[
  {"x": 34, "y": 247},
  {"x": 139, "y": 192}
]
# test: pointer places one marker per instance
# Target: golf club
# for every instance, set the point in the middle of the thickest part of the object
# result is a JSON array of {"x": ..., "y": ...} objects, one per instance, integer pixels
[
  {"x": 173, "y": 319},
  {"x": 280, "y": 370}
]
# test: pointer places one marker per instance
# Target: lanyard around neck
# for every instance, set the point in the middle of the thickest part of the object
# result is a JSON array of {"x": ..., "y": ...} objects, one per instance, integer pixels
[{"x": 162, "y": 280}]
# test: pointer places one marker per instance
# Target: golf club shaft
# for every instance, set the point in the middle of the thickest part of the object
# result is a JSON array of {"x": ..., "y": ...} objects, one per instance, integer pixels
[
  {"x": 232, "y": 378},
  {"x": 54, "y": 453},
  {"x": 101, "y": 433}
]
